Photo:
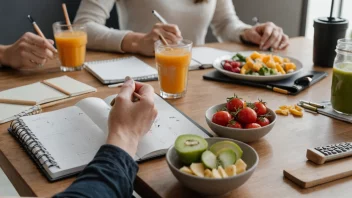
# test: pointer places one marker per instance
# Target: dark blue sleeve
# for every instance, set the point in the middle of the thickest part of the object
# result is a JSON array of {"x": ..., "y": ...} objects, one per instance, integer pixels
[{"x": 110, "y": 174}]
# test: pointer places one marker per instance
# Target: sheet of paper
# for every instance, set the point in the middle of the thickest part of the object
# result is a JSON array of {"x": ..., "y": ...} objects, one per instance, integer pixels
[
  {"x": 206, "y": 55},
  {"x": 8, "y": 111},
  {"x": 71, "y": 85}
]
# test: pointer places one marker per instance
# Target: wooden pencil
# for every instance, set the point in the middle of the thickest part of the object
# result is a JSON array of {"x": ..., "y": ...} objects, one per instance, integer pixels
[
  {"x": 18, "y": 102},
  {"x": 56, "y": 87}
]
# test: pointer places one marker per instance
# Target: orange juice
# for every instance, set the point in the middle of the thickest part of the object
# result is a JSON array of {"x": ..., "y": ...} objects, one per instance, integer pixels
[
  {"x": 172, "y": 67},
  {"x": 72, "y": 47}
]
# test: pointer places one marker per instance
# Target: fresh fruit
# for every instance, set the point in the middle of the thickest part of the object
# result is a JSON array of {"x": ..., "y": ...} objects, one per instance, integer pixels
[
  {"x": 222, "y": 172},
  {"x": 217, "y": 147},
  {"x": 208, "y": 173},
  {"x": 190, "y": 148},
  {"x": 282, "y": 112},
  {"x": 252, "y": 126},
  {"x": 209, "y": 159},
  {"x": 295, "y": 112},
  {"x": 263, "y": 121},
  {"x": 231, "y": 170},
  {"x": 240, "y": 166},
  {"x": 227, "y": 66},
  {"x": 216, "y": 174},
  {"x": 247, "y": 116},
  {"x": 197, "y": 169},
  {"x": 235, "y": 64},
  {"x": 234, "y": 124},
  {"x": 260, "y": 108},
  {"x": 234, "y": 103},
  {"x": 298, "y": 108},
  {"x": 236, "y": 70},
  {"x": 221, "y": 118},
  {"x": 226, "y": 157},
  {"x": 187, "y": 170}
]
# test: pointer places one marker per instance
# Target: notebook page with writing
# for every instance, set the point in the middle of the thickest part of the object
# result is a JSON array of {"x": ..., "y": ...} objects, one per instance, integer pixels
[
  {"x": 115, "y": 70},
  {"x": 69, "y": 135},
  {"x": 38, "y": 92},
  {"x": 205, "y": 56},
  {"x": 71, "y": 85}
]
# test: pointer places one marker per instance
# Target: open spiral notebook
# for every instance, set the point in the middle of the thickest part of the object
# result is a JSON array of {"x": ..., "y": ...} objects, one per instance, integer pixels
[{"x": 64, "y": 141}]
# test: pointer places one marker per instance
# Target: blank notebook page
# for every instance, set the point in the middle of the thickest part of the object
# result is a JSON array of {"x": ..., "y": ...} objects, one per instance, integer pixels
[
  {"x": 71, "y": 85},
  {"x": 118, "y": 69},
  {"x": 206, "y": 55},
  {"x": 69, "y": 135}
]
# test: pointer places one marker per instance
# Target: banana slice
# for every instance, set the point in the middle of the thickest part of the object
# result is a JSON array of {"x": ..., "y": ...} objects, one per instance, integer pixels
[
  {"x": 187, "y": 170},
  {"x": 231, "y": 170},
  {"x": 197, "y": 169},
  {"x": 216, "y": 174},
  {"x": 240, "y": 166},
  {"x": 222, "y": 172},
  {"x": 208, "y": 173}
]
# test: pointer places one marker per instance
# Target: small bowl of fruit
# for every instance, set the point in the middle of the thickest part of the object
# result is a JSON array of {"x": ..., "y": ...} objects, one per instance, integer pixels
[
  {"x": 240, "y": 120},
  {"x": 211, "y": 166}
]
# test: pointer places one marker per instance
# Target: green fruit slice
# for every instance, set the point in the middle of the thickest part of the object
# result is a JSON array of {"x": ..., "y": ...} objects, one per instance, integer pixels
[
  {"x": 226, "y": 157},
  {"x": 209, "y": 159},
  {"x": 190, "y": 148},
  {"x": 215, "y": 148}
]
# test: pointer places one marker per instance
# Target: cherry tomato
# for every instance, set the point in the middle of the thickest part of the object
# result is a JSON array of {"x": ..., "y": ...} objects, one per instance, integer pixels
[
  {"x": 222, "y": 118},
  {"x": 235, "y": 64},
  {"x": 263, "y": 121},
  {"x": 260, "y": 108},
  {"x": 234, "y": 124},
  {"x": 236, "y": 70},
  {"x": 234, "y": 103},
  {"x": 227, "y": 66},
  {"x": 252, "y": 126},
  {"x": 247, "y": 116}
]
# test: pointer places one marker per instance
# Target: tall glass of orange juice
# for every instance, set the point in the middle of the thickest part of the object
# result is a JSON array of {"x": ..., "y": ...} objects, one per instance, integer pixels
[
  {"x": 172, "y": 62},
  {"x": 71, "y": 44}
]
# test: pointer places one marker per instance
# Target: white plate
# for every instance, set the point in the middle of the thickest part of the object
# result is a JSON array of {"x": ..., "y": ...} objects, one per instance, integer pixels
[{"x": 217, "y": 65}]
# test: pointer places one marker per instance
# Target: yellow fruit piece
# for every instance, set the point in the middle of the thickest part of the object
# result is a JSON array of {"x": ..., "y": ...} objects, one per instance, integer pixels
[
  {"x": 280, "y": 69},
  {"x": 187, "y": 170},
  {"x": 278, "y": 59},
  {"x": 286, "y": 60},
  {"x": 295, "y": 112},
  {"x": 257, "y": 66},
  {"x": 282, "y": 112},
  {"x": 230, "y": 170},
  {"x": 249, "y": 62},
  {"x": 255, "y": 55},
  {"x": 271, "y": 64},
  {"x": 241, "y": 166},
  {"x": 208, "y": 173},
  {"x": 244, "y": 69},
  {"x": 197, "y": 169},
  {"x": 283, "y": 107},
  {"x": 298, "y": 108},
  {"x": 222, "y": 172},
  {"x": 216, "y": 174},
  {"x": 289, "y": 66}
]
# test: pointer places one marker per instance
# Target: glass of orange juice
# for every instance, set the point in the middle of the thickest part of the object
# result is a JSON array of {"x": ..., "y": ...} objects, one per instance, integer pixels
[
  {"x": 172, "y": 62},
  {"x": 71, "y": 41}
]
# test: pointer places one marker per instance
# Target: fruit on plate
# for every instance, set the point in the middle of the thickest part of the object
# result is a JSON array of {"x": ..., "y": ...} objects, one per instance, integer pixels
[
  {"x": 208, "y": 173},
  {"x": 263, "y": 121},
  {"x": 253, "y": 126},
  {"x": 241, "y": 166},
  {"x": 222, "y": 118},
  {"x": 219, "y": 146},
  {"x": 231, "y": 170},
  {"x": 187, "y": 170},
  {"x": 216, "y": 174},
  {"x": 190, "y": 148},
  {"x": 260, "y": 108},
  {"x": 222, "y": 172},
  {"x": 226, "y": 157},
  {"x": 234, "y": 124},
  {"x": 209, "y": 159},
  {"x": 247, "y": 116},
  {"x": 198, "y": 169},
  {"x": 234, "y": 104}
]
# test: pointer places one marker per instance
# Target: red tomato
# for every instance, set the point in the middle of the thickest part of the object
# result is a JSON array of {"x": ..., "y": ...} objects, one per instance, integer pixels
[
  {"x": 234, "y": 103},
  {"x": 247, "y": 116},
  {"x": 263, "y": 121},
  {"x": 235, "y": 64},
  {"x": 227, "y": 66},
  {"x": 252, "y": 126},
  {"x": 236, "y": 70},
  {"x": 260, "y": 108},
  {"x": 222, "y": 118},
  {"x": 234, "y": 124}
]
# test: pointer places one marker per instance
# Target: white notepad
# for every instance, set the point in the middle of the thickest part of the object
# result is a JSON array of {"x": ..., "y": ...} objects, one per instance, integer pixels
[
  {"x": 72, "y": 136},
  {"x": 205, "y": 56},
  {"x": 115, "y": 70},
  {"x": 72, "y": 86}
]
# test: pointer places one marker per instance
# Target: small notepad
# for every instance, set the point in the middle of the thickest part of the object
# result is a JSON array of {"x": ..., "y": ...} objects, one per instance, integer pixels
[
  {"x": 70, "y": 85},
  {"x": 205, "y": 56},
  {"x": 115, "y": 70}
]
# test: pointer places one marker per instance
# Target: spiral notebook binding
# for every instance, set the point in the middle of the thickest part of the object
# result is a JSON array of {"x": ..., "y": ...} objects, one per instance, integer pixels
[
  {"x": 31, "y": 144},
  {"x": 107, "y": 61},
  {"x": 32, "y": 111}
]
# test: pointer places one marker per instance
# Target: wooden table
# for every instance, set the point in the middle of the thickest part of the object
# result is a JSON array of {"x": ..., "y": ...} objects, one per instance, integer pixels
[{"x": 283, "y": 147}]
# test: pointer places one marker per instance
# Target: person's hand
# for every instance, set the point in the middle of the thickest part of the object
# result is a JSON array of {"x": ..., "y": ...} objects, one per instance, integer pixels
[
  {"x": 29, "y": 51},
  {"x": 128, "y": 120},
  {"x": 144, "y": 43},
  {"x": 266, "y": 35}
]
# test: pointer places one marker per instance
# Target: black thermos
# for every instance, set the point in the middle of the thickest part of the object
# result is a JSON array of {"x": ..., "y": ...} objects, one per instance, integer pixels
[{"x": 326, "y": 33}]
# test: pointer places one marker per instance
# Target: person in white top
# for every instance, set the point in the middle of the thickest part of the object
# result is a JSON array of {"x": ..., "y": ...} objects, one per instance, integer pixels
[{"x": 187, "y": 19}]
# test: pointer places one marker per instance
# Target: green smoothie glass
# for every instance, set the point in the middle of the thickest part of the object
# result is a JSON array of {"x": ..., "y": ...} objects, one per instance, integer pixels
[{"x": 341, "y": 88}]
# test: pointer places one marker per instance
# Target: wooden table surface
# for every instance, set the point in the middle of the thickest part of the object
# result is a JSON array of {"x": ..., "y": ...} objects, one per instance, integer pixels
[{"x": 283, "y": 147}]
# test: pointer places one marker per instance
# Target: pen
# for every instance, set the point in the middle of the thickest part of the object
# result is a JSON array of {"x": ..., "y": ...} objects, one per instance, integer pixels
[
  {"x": 312, "y": 104},
  {"x": 36, "y": 27},
  {"x": 159, "y": 17}
]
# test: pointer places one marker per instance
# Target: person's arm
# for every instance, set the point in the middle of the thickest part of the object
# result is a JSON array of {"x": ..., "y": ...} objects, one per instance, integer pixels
[
  {"x": 225, "y": 24},
  {"x": 113, "y": 170}
]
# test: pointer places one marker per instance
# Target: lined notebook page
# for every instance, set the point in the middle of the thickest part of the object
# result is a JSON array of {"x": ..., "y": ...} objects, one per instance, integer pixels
[
  {"x": 69, "y": 135},
  {"x": 116, "y": 70},
  {"x": 71, "y": 85},
  {"x": 38, "y": 92}
]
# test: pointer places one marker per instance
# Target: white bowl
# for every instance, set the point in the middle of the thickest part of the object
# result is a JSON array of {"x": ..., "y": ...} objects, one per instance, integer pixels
[
  {"x": 244, "y": 135},
  {"x": 211, "y": 186}
]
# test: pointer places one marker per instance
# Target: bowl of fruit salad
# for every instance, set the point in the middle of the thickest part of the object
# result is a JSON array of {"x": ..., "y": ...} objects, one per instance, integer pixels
[
  {"x": 211, "y": 166},
  {"x": 241, "y": 120}
]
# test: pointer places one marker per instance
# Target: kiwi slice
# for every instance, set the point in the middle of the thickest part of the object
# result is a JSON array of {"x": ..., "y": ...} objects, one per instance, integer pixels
[
  {"x": 215, "y": 148},
  {"x": 190, "y": 148},
  {"x": 226, "y": 157},
  {"x": 209, "y": 159}
]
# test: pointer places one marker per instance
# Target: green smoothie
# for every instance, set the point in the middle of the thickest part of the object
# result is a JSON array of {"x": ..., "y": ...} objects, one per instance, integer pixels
[{"x": 341, "y": 88}]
